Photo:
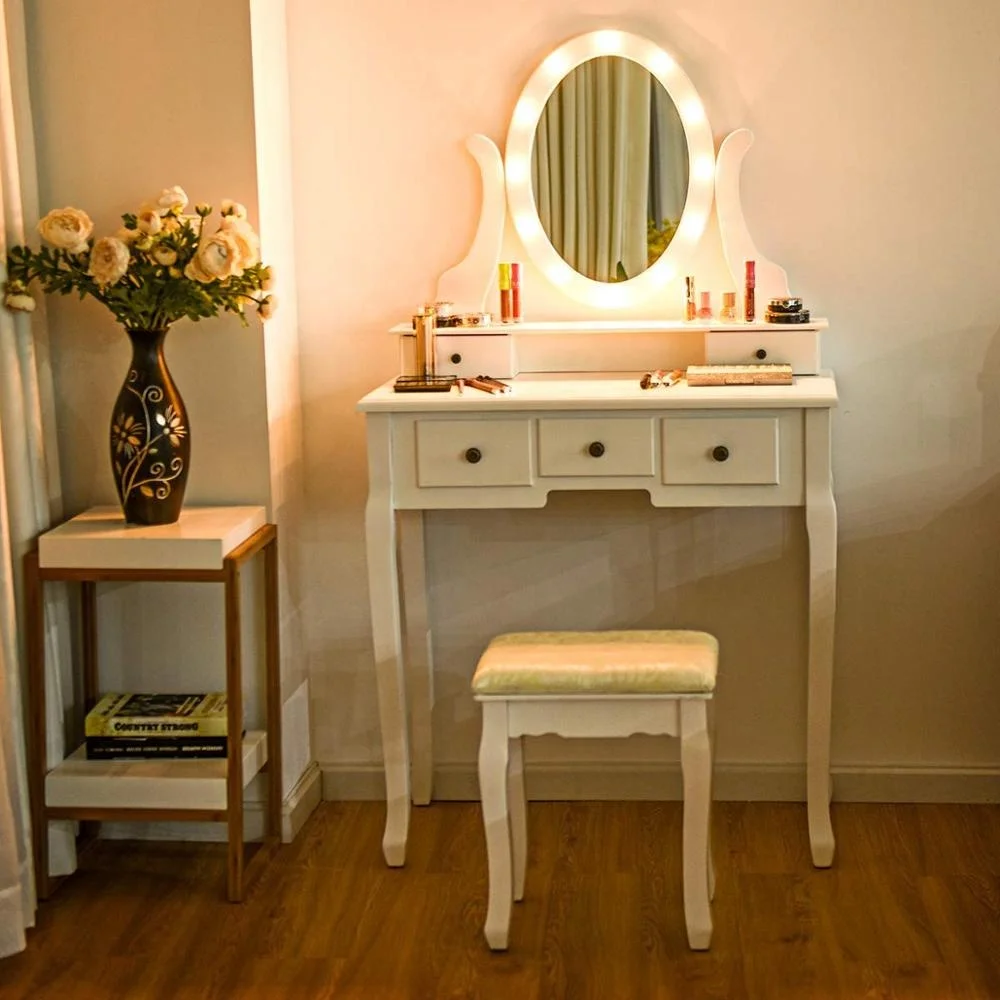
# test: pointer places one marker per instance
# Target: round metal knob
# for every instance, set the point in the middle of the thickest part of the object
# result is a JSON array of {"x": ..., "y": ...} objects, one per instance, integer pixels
[
  {"x": 595, "y": 449},
  {"x": 456, "y": 359},
  {"x": 473, "y": 455},
  {"x": 760, "y": 353},
  {"x": 720, "y": 453}
]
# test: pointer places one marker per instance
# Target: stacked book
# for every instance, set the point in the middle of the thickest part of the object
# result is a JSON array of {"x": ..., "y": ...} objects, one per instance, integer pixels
[{"x": 158, "y": 726}]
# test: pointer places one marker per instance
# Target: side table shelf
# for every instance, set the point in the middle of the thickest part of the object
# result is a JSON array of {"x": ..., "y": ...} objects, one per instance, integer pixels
[{"x": 207, "y": 545}]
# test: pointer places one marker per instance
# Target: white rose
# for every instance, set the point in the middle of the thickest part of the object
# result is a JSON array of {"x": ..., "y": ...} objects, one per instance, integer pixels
[
  {"x": 67, "y": 228},
  {"x": 149, "y": 222},
  {"x": 218, "y": 258},
  {"x": 171, "y": 200},
  {"x": 20, "y": 302},
  {"x": 233, "y": 208},
  {"x": 127, "y": 235},
  {"x": 165, "y": 256},
  {"x": 247, "y": 239},
  {"x": 108, "y": 261},
  {"x": 267, "y": 307}
]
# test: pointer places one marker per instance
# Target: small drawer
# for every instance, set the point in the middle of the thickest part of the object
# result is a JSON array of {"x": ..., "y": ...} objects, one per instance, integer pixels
[
  {"x": 474, "y": 452},
  {"x": 476, "y": 354},
  {"x": 798, "y": 348},
  {"x": 714, "y": 450},
  {"x": 605, "y": 446}
]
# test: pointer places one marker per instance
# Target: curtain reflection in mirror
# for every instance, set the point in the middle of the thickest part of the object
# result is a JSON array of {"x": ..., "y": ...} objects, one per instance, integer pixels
[{"x": 609, "y": 168}]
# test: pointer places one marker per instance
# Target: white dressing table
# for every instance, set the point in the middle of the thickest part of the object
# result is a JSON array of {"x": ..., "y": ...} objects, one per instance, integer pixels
[{"x": 685, "y": 446}]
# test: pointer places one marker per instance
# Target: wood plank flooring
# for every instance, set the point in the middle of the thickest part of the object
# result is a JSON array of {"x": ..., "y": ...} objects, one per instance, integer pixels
[{"x": 911, "y": 909}]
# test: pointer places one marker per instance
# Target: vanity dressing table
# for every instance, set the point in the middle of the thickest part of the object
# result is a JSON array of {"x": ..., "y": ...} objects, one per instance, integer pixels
[{"x": 563, "y": 427}]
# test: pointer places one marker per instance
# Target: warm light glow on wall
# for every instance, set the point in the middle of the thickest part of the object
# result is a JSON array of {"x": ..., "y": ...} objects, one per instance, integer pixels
[{"x": 521, "y": 137}]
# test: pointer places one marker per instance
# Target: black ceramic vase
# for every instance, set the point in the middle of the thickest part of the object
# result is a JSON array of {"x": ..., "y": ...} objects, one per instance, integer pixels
[{"x": 150, "y": 438}]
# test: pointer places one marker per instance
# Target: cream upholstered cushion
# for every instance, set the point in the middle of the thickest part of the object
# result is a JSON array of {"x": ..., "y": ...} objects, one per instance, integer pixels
[{"x": 677, "y": 661}]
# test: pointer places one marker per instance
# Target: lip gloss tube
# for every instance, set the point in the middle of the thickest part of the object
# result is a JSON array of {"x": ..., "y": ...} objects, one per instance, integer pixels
[
  {"x": 515, "y": 291},
  {"x": 749, "y": 309},
  {"x": 506, "y": 298}
]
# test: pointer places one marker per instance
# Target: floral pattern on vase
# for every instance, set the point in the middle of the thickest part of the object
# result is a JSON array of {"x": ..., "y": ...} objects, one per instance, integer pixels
[{"x": 150, "y": 436}]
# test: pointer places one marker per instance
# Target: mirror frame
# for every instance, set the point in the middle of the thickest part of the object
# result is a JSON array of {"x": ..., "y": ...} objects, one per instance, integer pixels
[{"x": 517, "y": 167}]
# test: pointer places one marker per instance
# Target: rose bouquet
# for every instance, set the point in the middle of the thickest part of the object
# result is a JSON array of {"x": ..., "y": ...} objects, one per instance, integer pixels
[{"x": 161, "y": 266}]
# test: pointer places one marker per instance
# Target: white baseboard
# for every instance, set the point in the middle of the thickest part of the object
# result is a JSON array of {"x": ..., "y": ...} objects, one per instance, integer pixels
[
  {"x": 295, "y": 810},
  {"x": 654, "y": 781}
]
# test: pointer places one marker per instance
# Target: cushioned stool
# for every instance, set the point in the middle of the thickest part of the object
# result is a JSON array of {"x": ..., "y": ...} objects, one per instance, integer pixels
[{"x": 593, "y": 684}]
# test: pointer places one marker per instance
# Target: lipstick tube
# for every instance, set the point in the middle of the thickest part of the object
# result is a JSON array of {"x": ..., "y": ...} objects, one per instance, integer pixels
[
  {"x": 515, "y": 291},
  {"x": 506, "y": 298}
]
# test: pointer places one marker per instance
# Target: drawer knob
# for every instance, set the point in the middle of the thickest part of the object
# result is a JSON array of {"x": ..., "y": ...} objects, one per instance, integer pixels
[
  {"x": 595, "y": 449},
  {"x": 456, "y": 358},
  {"x": 720, "y": 453},
  {"x": 760, "y": 353},
  {"x": 473, "y": 455}
]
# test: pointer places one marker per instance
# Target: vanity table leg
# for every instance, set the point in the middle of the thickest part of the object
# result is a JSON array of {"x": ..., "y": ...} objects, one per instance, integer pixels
[
  {"x": 419, "y": 652},
  {"x": 821, "y": 527},
  {"x": 383, "y": 595}
]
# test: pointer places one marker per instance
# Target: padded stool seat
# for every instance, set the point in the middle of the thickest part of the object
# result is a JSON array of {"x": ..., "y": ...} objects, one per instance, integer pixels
[{"x": 593, "y": 684}]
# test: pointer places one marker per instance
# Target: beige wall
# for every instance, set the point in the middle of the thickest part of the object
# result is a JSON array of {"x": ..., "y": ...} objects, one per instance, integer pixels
[{"x": 872, "y": 180}]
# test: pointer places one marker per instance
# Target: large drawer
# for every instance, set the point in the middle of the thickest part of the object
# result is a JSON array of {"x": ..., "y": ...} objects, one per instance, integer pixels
[
  {"x": 720, "y": 450},
  {"x": 601, "y": 446},
  {"x": 474, "y": 452}
]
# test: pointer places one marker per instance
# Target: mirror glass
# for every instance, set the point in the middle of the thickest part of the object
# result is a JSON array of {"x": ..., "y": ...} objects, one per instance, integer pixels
[{"x": 609, "y": 168}]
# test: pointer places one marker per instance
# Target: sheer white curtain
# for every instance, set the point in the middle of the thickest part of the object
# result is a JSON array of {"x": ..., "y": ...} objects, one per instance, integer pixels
[
  {"x": 29, "y": 503},
  {"x": 590, "y": 168}
]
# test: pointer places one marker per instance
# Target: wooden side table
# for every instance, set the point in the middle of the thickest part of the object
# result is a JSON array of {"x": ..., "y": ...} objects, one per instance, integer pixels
[{"x": 207, "y": 545}]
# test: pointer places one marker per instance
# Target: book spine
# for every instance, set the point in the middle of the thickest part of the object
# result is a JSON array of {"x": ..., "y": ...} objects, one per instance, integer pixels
[
  {"x": 170, "y": 728},
  {"x": 184, "y": 748}
]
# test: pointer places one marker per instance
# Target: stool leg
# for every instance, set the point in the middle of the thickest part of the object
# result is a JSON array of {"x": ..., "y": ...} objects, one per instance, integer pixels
[
  {"x": 518, "y": 815},
  {"x": 696, "y": 766},
  {"x": 493, "y": 758}
]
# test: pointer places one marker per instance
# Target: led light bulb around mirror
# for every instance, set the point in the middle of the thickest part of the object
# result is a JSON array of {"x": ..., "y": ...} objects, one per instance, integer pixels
[
  {"x": 517, "y": 169},
  {"x": 607, "y": 42},
  {"x": 556, "y": 65},
  {"x": 528, "y": 226},
  {"x": 692, "y": 111},
  {"x": 704, "y": 168},
  {"x": 526, "y": 113},
  {"x": 661, "y": 64},
  {"x": 691, "y": 228}
]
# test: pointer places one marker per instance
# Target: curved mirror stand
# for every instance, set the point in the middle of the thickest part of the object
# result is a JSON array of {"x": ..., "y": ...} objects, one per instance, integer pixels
[{"x": 609, "y": 169}]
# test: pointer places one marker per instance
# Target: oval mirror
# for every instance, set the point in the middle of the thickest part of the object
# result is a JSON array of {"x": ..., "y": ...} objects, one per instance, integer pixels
[{"x": 609, "y": 168}]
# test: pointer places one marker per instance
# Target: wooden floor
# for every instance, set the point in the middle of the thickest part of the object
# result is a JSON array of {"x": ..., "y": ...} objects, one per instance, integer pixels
[{"x": 910, "y": 909}]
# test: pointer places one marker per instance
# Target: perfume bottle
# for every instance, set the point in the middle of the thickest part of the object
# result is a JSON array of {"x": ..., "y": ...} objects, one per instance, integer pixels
[
  {"x": 705, "y": 309},
  {"x": 690, "y": 309},
  {"x": 728, "y": 310},
  {"x": 425, "y": 337}
]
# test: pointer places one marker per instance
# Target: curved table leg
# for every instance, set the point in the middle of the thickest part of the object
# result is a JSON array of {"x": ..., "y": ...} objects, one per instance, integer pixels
[
  {"x": 383, "y": 592},
  {"x": 419, "y": 652},
  {"x": 821, "y": 526}
]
